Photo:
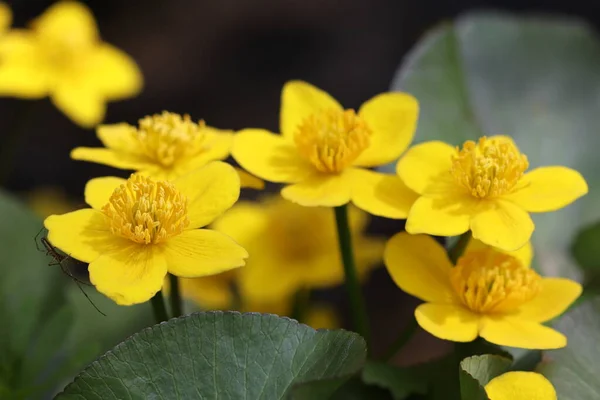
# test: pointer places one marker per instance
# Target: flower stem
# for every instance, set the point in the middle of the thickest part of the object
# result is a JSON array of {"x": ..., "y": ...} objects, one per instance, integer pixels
[
  {"x": 158, "y": 306},
  {"x": 459, "y": 248},
  {"x": 357, "y": 303},
  {"x": 404, "y": 337},
  {"x": 175, "y": 296}
]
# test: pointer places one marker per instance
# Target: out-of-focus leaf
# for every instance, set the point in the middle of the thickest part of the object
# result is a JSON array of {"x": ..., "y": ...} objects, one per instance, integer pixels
[
  {"x": 586, "y": 249},
  {"x": 401, "y": 382},
  {"x": 477, "y": 371},
  {"x": 573, "y": 370},
  {"x": 534, "y": 78},
  {"x": 226, "y": 355}
]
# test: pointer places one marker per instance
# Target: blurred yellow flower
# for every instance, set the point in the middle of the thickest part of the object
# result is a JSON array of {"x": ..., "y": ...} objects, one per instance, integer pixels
[
  {"x": 322, "y": 316},
  {"x": 490, "y": 293},
  {"x": 292, "y": 247},
  {"x": 323, "y": 150},
  {"x": 162, "y": 146},
  {"x": 5, "y": 17},
  {"x": 62, "y": 56},
  {"x": 520, "y": 385},
  {"x": 48, "y": 200},
  {"x": 139, "y": 229},
  {"x": 483, "y": 187}
]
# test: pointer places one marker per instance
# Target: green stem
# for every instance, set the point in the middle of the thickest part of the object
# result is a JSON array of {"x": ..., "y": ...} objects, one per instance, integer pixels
[
  {"x": 404, "y": 337},
  {"x": 459, "y": 248},
  {"x": 357, "y": 303},
  {"x": 158, "y": 306},
  {"x": 175, "y": 296}
]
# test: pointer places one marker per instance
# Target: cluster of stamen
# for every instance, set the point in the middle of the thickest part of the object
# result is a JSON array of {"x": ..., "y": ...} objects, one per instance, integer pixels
[
  {"x": 168, "y": 137},
  {"x": 488, "y": 281},
  {"x": 332, "y": 139},
  {"x": 145, "y": 211},
  {"x": 488, "y": 168}
]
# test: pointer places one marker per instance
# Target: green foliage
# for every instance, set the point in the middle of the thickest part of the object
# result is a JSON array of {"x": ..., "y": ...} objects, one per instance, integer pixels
[
  {"x": 534, "y": 78},
  {"x": 573, "y": 370},
  {"x": 401, "y": 382},
  {"x": 477, "y": 371},
  {"x": 227, "y": 355}
]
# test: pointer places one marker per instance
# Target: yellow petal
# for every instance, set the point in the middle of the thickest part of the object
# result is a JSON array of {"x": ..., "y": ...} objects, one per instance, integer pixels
[
  {"x": 112, "y": 158},
  {"x": 392, "y": 119},
  {"x": 555, "y": 296},
  {"x": 215, "y": 146},
  {"x": 131, "y": 275},
  {"x": 262, "y": 280},
  {"x": 448, "y": 322},
  {"x": 250, "y": 181},
  {"x": 520, "y": 385},
  {"x": 548, "y": 189},
  {"x": 202, "y": 252},
  {"x": 211, "y": 190},
  {"x": 79, "y": 101},
  {"x": 114, "y": 73},
  {"x": 98, "y": 190},
  {"x": 419, "y": 266},
  {"x": 22, "y": 71},
  {"x": 321, "y": 316},
  {"x": 120, "y": 137},
  {"x": 512, "y": 332},
  {"x": 298, "y": 101},
  {"x": 243, "y": 222},
  {"x": 524, "y": 254},
  {"x": 424, "y": 163},
  {"x": 210, "y": 292},
  {"x": 381, "y": 194},
  {"x": 502, "y": 224},
  {"x": 82, "y": 234},
  {"x": 443, "y": 216},
  {"x": 5, "y": 17},
  {"x": 270, "y": 156},
  {"x": 67, "y": 21},
  {"x": 321, "y": 190}
]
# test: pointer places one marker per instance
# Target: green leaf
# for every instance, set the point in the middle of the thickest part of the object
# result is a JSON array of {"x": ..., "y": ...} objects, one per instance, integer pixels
[
  {"x": 226, "y": 355},
  {"x": 477, "y": 371},
  {"x": 401, "y": 382},
  {"x": 534, "y": 78},
  {"x": 573, "y": 370},
  {"x": 586, "y": 249}
]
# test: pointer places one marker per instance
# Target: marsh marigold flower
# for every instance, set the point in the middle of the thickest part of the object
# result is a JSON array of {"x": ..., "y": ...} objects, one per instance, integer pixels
[
  {"x": 489, "y": 293},
  {"x": 484, "y": 187},
  {"x": 323, "y": 150},
  {"x": 139, "y": 229},
  {"x": 162, "y": 146},
  {"x": 520, "y": 385},
  {"x": 62, "y": 56},
  {"x": 292, "y": 248}
]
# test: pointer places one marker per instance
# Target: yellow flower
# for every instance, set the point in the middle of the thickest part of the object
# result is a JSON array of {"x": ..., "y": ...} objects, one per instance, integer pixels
[
  {"x": 292, "y": 248},
  {"x": 483, "y": 187},
  {"x": 5, "y": 17},
  {"x": 62, "y": 56},
  {"x": 163, "y": 146},
  {"x": 323, "y": 148},
  {"x": 322, "y": 316},
  {"x": 490, "y": 293},
  {"x": 520, "y": 385},
  {"x": 45, "y": 201},
  {"x": 139, "y": 229}
]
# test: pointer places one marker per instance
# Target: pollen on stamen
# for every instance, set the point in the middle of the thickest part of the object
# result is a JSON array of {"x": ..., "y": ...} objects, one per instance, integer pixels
[
  {"x": 168, "y": 137},
  {"x": 145, "y": 211},
  {"x": 332, "y": 139},
  {"x": 488, "y": 282},
  {"x": 488, "y": 168}
]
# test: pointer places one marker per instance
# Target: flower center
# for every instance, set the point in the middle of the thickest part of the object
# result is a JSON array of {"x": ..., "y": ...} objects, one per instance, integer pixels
[
  {"x": 145, "y": 211},
  {"x": 488, "y": 281},
  {"x": 331, "y": 139},
  {"x": 488, "y": 168},
  {"x": 167, "y": 137}
]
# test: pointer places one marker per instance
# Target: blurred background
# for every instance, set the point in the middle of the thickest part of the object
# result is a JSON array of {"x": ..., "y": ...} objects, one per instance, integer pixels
[{"x": 225, "y": 61}]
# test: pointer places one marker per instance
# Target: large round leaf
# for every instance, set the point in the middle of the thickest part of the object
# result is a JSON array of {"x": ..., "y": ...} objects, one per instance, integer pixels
[
  {"x": 574, "y": 370},
  {"x": 221, "y": 355},
  {"x": 536, "y": 79}
]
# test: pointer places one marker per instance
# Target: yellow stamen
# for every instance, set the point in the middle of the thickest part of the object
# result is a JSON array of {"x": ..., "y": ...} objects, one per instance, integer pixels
[
  {"x": 167, "y": 137},
  {"x": 145, "y": 211},
  {"x": 488, "y": 281},
  {"x": 488, "y": 168},
  {"x": 332, "y": 139}
]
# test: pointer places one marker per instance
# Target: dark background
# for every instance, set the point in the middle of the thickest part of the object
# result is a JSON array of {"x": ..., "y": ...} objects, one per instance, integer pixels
[{"x": 225, "y": 61}]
